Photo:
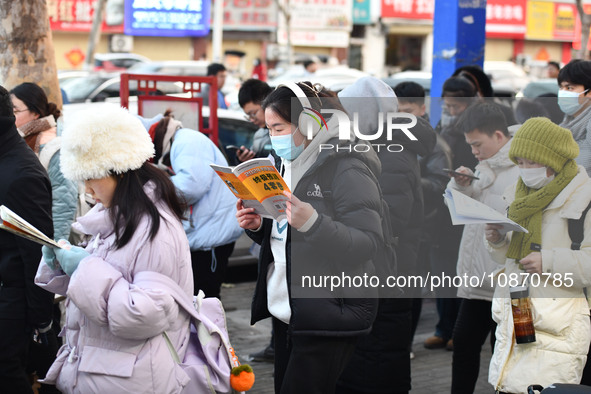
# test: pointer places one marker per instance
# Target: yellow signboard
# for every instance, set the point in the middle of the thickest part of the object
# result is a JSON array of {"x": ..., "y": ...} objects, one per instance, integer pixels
[{"x": 540, "y": 20}]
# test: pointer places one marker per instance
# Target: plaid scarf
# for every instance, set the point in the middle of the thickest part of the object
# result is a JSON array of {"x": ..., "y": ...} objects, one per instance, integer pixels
[{"x": 32, "y": 129}]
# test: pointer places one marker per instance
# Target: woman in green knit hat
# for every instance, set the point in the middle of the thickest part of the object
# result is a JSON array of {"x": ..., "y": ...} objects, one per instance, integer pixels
[{"x": 551, "y": 189}]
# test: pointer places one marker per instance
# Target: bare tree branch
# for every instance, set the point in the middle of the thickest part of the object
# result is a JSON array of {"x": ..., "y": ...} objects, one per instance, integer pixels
[{"x": 585, "y": 18}]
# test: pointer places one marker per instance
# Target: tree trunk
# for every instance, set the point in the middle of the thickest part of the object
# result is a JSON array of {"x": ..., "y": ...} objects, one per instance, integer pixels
[
  {"x": 95, "y": 34},
  {"x": 26, "y": 47},
  {"x": 583, "y": 53},
  {"x": 285, "y": 9}
]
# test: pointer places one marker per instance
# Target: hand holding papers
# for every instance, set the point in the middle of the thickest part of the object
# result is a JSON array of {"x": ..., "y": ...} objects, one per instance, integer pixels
[
  {"x": 466, "y": 210},
  {"x": 15, "y": 224}
]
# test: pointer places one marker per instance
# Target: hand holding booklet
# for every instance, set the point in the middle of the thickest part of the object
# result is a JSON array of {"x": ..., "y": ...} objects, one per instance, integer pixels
[
  {"x": 15, "y": 224},
  {"x": 466, "y": 210},
  {"x": 260, "y": 186}
]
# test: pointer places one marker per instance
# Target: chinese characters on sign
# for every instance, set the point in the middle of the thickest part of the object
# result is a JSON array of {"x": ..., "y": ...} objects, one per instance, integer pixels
[
  {"x": 76, "y": 15},
  {"x": 551, "y": 21},
  {"x": 505, "y": 12},
  {"x": 318, "y": 23},
  {"x": 505, "y": 19},
  {"x": 173, "y": 18},
  {"x": 408, "y": 9},
  {"x": 249, "y": 14}
]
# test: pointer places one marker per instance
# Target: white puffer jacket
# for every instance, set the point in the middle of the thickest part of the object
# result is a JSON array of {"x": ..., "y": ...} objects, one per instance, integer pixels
[
  {"x": 496, "y": 174},
  {"x": 561, "y": 312}
]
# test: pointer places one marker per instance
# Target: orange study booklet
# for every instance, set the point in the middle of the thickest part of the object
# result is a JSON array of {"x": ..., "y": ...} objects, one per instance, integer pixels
[{"x": 258, "y": 183}]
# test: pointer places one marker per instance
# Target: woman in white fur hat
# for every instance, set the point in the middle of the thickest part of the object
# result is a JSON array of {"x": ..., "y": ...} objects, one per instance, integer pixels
[{"x": 114, "y": 321}]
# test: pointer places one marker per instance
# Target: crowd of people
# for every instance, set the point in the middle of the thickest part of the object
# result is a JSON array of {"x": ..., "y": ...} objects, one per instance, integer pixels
[{"x": 125, "y": 194}]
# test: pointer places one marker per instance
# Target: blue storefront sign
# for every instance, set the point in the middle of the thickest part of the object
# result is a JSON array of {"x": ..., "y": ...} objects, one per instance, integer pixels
[
  {"x": 167, "y": 18},
  {"x": 361, "y": 12}
]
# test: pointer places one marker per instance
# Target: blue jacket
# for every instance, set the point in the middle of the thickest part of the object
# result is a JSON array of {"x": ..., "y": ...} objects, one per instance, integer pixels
[
  {"x": 212, "y": 206},
  {"x": 64, "y": 191},
  {"x": 65, "y": 199}
]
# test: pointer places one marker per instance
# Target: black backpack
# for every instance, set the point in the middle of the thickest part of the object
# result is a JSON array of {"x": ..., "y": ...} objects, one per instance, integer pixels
[{"x": 576, "y": 230}]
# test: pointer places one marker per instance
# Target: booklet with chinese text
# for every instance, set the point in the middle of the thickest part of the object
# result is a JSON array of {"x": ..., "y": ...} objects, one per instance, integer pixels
[
  {"x": 15, "y": 224},
  {"x": 260, "y": 186},
  {"x": 466, "y": 210}
]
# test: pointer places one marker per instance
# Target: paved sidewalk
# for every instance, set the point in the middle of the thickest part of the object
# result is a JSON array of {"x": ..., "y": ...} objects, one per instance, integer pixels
[{"x": 431, "y": 369}]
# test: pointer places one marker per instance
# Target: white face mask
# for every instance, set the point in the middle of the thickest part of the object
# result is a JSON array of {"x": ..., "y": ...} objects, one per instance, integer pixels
[{"x": 535, "y": 178}]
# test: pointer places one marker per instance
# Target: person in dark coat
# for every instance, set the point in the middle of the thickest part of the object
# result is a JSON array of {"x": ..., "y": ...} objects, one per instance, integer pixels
[
  {"x": 382, "y": 358},
  {"x": 333, "y": 226},
  {"x": 434, "y": 254},
  {"x": 483, "y": 86},
  {"x": 458, "y": 93},
  {"x": 25, "y": 309}
]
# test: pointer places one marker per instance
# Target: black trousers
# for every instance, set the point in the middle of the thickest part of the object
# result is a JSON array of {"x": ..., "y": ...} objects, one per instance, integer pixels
[
  {"x": 14, "y": 349},
  {"x": 41, "y": 356},
  {"x": 309, "y": 364},
  {"x": 381, "y": 360},
  {"x": 209, "y": 269},
  {"x": 473, "y": 325}
]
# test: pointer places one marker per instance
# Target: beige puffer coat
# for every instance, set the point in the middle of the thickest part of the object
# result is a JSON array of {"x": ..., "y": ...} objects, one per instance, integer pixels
[{"x": 561, "y": 312}]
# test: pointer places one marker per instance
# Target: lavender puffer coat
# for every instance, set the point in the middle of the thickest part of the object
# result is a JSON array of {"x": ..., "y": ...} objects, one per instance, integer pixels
[{"x": 113, "y": 341}]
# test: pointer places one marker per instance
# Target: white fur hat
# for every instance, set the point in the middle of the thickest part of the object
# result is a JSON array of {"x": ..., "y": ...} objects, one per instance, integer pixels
[{"x": 102, "y": 139}]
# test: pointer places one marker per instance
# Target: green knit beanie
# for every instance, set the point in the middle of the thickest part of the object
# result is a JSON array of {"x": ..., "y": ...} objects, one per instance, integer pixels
[{"x": 543, "y": 142}]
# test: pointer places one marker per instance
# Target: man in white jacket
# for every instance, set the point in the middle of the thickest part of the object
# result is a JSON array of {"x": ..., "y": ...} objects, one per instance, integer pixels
[{"x": 486, "y": 132}]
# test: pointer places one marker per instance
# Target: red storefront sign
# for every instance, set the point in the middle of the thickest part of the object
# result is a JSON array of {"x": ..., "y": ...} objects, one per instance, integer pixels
[
  {"x": 505, "y": 18},
  {"x": 408, "y": 9},
  {"x": 76, "y": 15}
]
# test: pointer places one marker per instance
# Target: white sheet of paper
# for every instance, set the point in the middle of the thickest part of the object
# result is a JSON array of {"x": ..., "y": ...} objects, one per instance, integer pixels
[{"x": 466, "y": 210}]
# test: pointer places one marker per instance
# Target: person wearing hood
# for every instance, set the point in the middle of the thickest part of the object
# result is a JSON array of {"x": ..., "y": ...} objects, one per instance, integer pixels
[
  {"x": 25, "y": 309},
  {"x": 333, "y": 225},
  {"x": 186, "y": 154},
  {"x": 113, "y": 338},
  {"x": 550, "y": 192},
  {"x": 485, "y": 131},
  {"x": 383, "y": 356}
]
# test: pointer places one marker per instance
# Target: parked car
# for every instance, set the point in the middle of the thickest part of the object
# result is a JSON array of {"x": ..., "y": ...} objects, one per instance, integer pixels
[
  {"x": 423, "y": 78},
  {"x": 506, "y": 74},
  {"x": 117, "y": 61},
  {"x": 65, "y": 75},
  {"x": 97, "y": 87},
  {"x": 196, "y": 68},
  {"x": 333, "y": 78},
  {"x": 540, "y": 87},
  {"x": 172, "y": 67}
]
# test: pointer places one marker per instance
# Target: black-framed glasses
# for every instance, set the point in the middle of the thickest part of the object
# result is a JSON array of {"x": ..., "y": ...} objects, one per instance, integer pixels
[
  {"x": 252, "y": 114},
  {"x": 18, "y": 111}
]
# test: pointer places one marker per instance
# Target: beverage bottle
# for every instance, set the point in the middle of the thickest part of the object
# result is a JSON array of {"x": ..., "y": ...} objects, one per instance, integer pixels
[{"x": 522, "y": 315}]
